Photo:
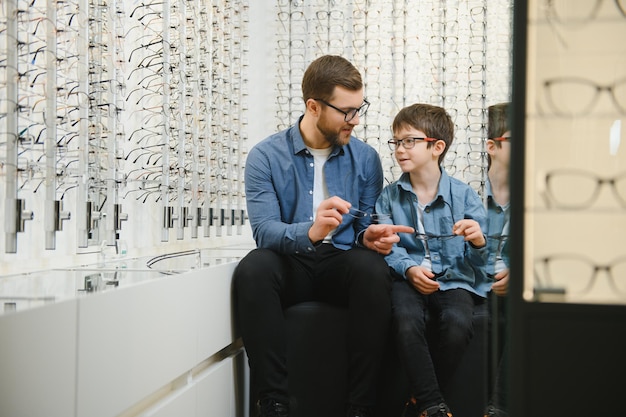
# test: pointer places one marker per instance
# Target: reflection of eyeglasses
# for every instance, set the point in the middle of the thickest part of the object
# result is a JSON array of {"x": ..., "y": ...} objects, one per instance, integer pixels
[
  {"x": 565, "y": 12},
  {"x": 577, "y": 274},
  {"x": 350, "y": 113},
  {"x": 577, "y": 189},
  {"x": 572, "y": 96},
  {"x": 502, "y": 138},
  {"x": 407, "y": 143},
  {"x": 501, "y": 240}
]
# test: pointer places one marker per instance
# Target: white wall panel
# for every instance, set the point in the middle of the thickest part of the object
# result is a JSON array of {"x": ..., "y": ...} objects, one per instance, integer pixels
[
  {"x": 213, "y": 308},
  {"x": 37, "y": 362}
]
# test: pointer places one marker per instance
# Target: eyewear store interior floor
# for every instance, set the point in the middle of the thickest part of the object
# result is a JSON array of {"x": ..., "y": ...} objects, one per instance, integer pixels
[{"x": 124, "y": 131}]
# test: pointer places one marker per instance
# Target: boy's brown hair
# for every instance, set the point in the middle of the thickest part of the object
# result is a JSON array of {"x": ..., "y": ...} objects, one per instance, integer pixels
[
  {"x": 498, "y": 115},
  {"x": 498, "y": 120},
  {"x": 434, "y": 121}
]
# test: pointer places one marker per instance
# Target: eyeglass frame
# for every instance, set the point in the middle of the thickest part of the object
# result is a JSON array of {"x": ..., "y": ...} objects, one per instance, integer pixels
[
  {"x": 394, "y": 144},
  {"x": 360, "y": 111},
  {"x": 501, "y": 138}
]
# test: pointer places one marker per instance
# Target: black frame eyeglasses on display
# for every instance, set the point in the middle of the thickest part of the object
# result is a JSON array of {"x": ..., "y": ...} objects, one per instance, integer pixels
[
  {"x": 561, "y": 183},
  {"x": 350, "y": 113},
  {"x": 577, "y": 274}
]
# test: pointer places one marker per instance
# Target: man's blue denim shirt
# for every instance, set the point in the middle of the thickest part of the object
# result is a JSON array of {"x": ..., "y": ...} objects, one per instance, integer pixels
[
  {"x": 464, "y": 264},
  {"x": 279, "y": 190}
]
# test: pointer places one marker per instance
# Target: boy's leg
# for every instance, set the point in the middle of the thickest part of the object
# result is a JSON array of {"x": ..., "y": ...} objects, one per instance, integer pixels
[
  {"x": 453, "y": 311},
  {"x": 409, "y": 325},
  {"x": 265, "y": 283}
]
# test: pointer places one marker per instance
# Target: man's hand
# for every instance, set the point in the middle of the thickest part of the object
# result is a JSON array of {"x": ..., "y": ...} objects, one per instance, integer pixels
[
  {"x": 381, "y": 237},
  {"x": 328, "y": 217}
]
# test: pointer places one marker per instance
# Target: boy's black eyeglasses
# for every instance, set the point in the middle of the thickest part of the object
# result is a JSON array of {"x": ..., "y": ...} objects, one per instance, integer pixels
[
  {"x": 351, "y": 113},
  {"x": 408, "y": 143}
]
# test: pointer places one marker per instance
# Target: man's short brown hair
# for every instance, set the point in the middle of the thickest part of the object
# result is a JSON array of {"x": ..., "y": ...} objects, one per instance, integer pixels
[{"x": 326, "y": 73}]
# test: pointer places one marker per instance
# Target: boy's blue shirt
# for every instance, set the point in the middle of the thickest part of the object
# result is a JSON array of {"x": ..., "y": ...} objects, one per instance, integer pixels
[
  {"x": 279, "y": 178},
  {"x": 496, "y": 218},
  {"x": 464, "y": 264}
]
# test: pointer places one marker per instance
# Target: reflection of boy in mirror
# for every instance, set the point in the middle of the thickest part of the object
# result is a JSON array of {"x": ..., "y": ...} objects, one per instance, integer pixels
[
  {"x": 439, "y": 268},
  {"x": 497, "y": 192},
  {"x": 498, "y": 216}
]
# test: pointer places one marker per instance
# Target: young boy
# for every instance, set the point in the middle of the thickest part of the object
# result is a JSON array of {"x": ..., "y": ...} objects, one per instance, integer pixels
[
  {"x": 440, "y": 268},
  {"x": 498, "y": 213}
]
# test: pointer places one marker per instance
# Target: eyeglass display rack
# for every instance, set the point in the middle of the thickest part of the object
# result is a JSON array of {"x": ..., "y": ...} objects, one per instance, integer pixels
[
  {"x": 575, "y": 192},
  {"x": 111, "y": 104}
]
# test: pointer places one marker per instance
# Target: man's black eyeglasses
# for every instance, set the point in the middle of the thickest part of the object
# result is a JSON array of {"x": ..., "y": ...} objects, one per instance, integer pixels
[
  {"x": 351, "y": 113},
  {"x": 408, "y": 143}
]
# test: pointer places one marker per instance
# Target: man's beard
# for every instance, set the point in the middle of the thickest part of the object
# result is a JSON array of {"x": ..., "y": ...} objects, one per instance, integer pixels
[{"x": 332, "y": 137}]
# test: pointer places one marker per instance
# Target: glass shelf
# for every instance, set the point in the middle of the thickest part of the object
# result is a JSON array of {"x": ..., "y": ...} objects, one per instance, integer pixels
[{"x": 30, "y": 290}]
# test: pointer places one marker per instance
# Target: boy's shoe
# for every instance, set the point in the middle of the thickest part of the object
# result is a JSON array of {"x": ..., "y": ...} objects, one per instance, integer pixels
[
  {"x": 492, "y": 411},
  {"x": 272, "y": 408},
  {"x": 439, "y": 410},
  {"x": 410, "y": 409}
]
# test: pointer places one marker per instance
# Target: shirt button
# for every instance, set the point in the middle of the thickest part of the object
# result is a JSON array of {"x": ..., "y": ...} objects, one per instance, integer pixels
[
  {"x": 311, "y": 218},
  {"x": 311, "y": 192},
  {"x": 427, "y": 209},
  {"x": 311, "y": 164}
]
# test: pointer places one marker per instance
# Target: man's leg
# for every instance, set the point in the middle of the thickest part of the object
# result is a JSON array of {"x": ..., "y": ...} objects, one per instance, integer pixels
[
  {"x": 360, "y": 280},
  {"x": 265, "y": 283}
]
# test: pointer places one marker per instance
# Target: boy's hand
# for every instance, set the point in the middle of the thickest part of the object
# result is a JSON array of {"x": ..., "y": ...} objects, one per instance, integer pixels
[
  {"x": 471, "y": 231},
  {"x": 381, "y": 237},
  {"x": 422, "y": 279},
  {"x": 501, "y": 286}
]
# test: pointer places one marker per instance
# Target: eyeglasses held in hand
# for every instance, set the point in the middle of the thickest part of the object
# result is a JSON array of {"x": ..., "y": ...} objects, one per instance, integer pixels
[
  {"x": 350, "y": 113},
  {"x": 428, "y": 236},
  {"x": 360, "y": 214},
  {"x": 407, "y": 143}
]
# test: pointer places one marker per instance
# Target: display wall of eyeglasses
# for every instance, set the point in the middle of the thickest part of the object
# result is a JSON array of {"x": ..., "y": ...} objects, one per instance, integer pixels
[
  {"x": 455, "y": 54},
  {"x": 117, "y": 107},
  {"x": 575, "y": 193},
  {"x": 114, "y": 107}
]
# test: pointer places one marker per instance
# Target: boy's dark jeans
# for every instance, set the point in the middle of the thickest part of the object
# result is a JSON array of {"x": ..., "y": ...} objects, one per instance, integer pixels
[
  {"x": 450, "y": 312},
  {"x": 266, "y": 283}
]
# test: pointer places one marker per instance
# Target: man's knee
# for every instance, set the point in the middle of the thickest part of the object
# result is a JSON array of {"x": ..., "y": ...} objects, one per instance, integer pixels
[{"x": 255, "y": 269}]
